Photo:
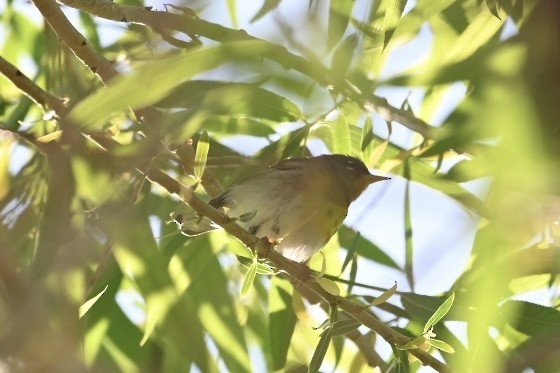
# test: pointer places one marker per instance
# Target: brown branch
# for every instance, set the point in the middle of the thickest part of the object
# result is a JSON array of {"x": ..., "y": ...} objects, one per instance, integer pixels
[
  {"x": 79, "y": 45},
  {"x": 30, "y": 89}
]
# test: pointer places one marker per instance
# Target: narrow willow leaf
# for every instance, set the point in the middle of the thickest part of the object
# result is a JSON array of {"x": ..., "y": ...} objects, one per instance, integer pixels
[
  {"x": 299, "y": 308},
  {"x": 367, "y": 134},
  {"x": 415, "y": 343},
  {"x": 89, "y": 303},
  {"x": 320, "y": 351},
  {"x": 342, "y": 56},
  {"x": 281, "y": 321},
  {"x": 384, "y": 297},
  {"x": 249, "y": 279},
  {"x": 157, "y": 78},
  {"x": 268, "y": 6},
  {"x": 393, "y": 13},
  {"x": 232, "y": 9},
  {"x": 440, "y": 313},
  {"x": 329, "y": 285},
  {"x": 201, "y": 155},
  {"x": 344, "y": 326},
  {"x": 341, "y": 136},
  {"x": 323, "y": 265},
  {"x": 377, "y": 152},
  {"x": 340, "y": 12},
  {"x": 55, "y": 135},
  {"x": 263, "y": 269},
  {"x": 409, "y": 247},
  {"x": 441, "y": 345},
  {"x": 532, "y": 319},
  {"x": 493, "y": 8}
]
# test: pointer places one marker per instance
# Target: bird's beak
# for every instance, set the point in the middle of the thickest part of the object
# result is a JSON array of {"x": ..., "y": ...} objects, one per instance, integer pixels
[{"x": 370, "y": 179}]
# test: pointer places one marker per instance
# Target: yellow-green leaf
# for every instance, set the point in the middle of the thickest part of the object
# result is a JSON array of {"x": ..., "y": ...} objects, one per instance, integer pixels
[
  {"x": 384, "y": 297},
  {"x": 201, "y": 155},
  {"x": 89, "y": 303}
]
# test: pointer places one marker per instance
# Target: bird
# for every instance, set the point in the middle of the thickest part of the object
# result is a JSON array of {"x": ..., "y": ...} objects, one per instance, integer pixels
[{"x": 297, "y": 204}]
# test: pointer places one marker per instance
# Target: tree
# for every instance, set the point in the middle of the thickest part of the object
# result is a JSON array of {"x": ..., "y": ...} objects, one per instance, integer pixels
[{"x": 106, "y": 133}]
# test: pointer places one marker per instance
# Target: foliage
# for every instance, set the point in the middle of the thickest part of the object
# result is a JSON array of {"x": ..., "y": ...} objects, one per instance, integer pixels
[{"x": 97, "y": 126}]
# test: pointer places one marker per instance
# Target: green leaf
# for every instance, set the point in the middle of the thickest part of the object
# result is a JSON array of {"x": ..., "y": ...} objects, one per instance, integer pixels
[
  {"x": 234, "y": 99},
  {"x": 493, "y": 8},
  {"x": 89, "y": 303},
  {"x": 409, "y": 247},
  {"x": 157, "y": 78},
  {"x": 282, "y": 321},
  {"x": 532, "y": 319},
  {"x": 215, "y": 306},
  {"x": 367, "y": 135},
  {"x": 267, "y": 7},
  {"x": 440, "y": 313},
  {"x": 328, "y": 285},
  {"x": 384, "y": 297},
  {"x": 201, "y": 155},
  {"x": 342, "y": 327},
  {"x": 441, "y": 345},
  {"x": 393, "y": 13},
  {"x": 263, "y": 269},
  {"x": 415, "y": 343},
  {"x": 249, "y": 279},
  {"x": 321, "y": 350},
  {"x": 341, "y": 136},
  {"x": 343, "y": 54},
  {"x": 233, "y": 13},
  {"x": 340, "y": 12}
]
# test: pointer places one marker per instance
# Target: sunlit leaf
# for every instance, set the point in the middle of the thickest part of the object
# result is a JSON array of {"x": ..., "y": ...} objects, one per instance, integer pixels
[
  {"x": 385, "y": 296},
  {"x": 441, "y": 345},
  {"x": 339, "y": 16},
  {"x": 341, "y": 136},
  {"x": 267, "y": 7},
  {"x": 343, "y": 54},
  {"x": 393, "y": 13},
  {"x": 89, "y": 303},
  {"x": 281, "y": 321},
  {"x": 233, "y": 99},
  {"x": 531, "y": 318},
  {"x": 329, "y": 285},
  {"x": 157, "y": 78},
  {"x": 440, "y": 313},
  {"x": 342, "y": 327},
  {"x": 415, "y": 343},
  {"x": 249, "y": 279},
  {"x": 408, "y": 233},
  {"x": 320, "y": 350},
  {"x": 201, "y": 155}
]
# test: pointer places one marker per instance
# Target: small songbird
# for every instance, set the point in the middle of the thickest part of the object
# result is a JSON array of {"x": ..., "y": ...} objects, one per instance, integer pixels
[{"x": 299, "y": 203}]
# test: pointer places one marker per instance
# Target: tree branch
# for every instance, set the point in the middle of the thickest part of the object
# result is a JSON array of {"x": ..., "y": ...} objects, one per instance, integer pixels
[
  {"x": 30, "y": 89},
  {"x": 190, "y": 24}
]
